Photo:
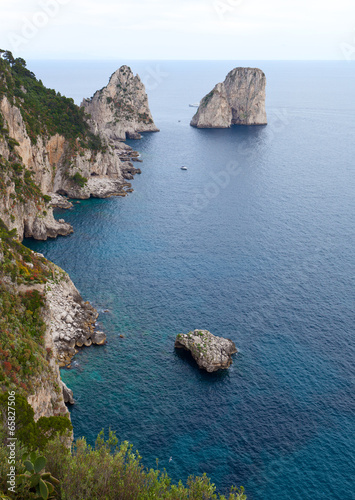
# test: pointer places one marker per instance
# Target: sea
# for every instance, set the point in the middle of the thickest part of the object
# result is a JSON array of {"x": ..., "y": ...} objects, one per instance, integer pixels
[{"x": 255, "y": 242}]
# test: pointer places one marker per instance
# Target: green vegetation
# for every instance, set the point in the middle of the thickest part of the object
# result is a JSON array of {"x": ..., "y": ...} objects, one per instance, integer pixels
[
  {"x": 34, "y": 435},
  {"x": 23, "y": 357},
  {"x": 124, "y": 108},
  {"x": 19, "y": 263},
  {"x": 207, "y": 99},
  {"x": 144, "y": 117},
  {"x": 31, "y": 481},
  {"x": 12, "y": 171},
  {"x": 36, "y": 479},
  {"x": 44, "y": 111},
  {"x": 107, "y": 471},
  {"x": 79, "y": 179}
]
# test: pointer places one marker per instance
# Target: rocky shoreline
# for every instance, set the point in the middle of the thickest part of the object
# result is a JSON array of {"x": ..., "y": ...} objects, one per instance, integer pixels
[
  {"x": 47, "y": 168},
  {"x": 72, "y": 320},
  {"x": 71, "y": 324}
]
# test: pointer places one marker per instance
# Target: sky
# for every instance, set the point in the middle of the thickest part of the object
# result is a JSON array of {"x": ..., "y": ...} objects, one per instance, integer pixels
[{"x": 179, "y": 29}]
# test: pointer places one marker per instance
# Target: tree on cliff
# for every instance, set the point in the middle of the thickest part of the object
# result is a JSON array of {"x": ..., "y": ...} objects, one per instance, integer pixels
[{"x": 7, "y": 55}]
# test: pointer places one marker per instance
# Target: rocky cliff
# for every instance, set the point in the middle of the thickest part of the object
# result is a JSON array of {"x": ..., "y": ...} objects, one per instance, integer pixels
[
  {"x": 120, "y": 110},
  {"x": 239, "y": 100},
  {"x": 43, "y": 321},
  {"x": 70, "y": 320},
  {"x": 47, "y": 151},
  {"x": 46, "y": 147},
  {"x": 31, "y": 172},
  {"x": 28, "y": 360}
]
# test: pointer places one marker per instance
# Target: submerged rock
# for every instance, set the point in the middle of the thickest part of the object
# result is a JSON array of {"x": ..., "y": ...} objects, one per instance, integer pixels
[
  {"x": 239, "y": 100},
  {"x": 210, "y": 352}
]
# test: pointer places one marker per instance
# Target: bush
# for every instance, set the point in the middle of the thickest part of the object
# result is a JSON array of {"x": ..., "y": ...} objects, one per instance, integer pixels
[
  {"x": 79, "y": 179},
  {"x": 34, "y": 435},
  {"x": 39, "y": 484},
  {"x": 44, "y": 111},
  {"x": 110, "y": 471},
  {"x": 107, "y": 471}
]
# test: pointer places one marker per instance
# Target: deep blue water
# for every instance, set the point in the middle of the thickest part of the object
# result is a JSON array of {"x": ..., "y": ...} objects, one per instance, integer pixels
[{"x": 255, "y": 242}]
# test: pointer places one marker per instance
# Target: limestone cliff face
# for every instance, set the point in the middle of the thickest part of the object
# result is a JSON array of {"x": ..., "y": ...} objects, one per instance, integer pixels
[
  {"x": 239, "y": 100},
  {"x": 245, "y": 89},
  {"x": 48, "y": 399},
  {"x": 103, "y": 172},
  {"x": 50, "y": 165},
  {"x": 214, "y": 110},
  {"x": 27, "y": 213},
  {"x": 120, "y": 111}
]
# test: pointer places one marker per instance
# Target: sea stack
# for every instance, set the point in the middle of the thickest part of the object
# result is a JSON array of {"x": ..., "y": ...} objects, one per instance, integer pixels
[
  {"x": 239, "y": 100},
  {"x": 120, "y": 110},
  {"x": 210, "y": 352}
]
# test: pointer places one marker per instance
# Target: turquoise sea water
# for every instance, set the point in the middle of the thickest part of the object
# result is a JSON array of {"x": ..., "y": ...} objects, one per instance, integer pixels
[{"x": 255, "y": 242}]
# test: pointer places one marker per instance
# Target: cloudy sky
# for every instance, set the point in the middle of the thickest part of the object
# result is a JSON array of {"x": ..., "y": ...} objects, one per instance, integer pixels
[{"x": 178, "y": 29}]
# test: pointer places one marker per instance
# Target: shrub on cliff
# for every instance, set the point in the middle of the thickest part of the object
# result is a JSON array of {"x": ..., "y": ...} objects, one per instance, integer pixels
[
  {"x": 79, "y": 179},
  {"x": 111, "y": 471},
  {"x": 33, "y": 435},
  {"x": 44, "y": 111},
  {"x": 23, "y": 357},
  {"x": 108, "y": 471}
]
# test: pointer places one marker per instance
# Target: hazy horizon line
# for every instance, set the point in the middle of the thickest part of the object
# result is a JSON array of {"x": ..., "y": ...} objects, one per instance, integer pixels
[{"x": 186, "y": 60}]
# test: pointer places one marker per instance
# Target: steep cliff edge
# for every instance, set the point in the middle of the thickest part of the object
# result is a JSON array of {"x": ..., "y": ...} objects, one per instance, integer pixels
[
  {"x": 239, "y": 100},
  {"x": 46, "y": 150},
  {"x": 43, "y": 318},
  {"x": 46, "y": 146},
  {"x": 120, "y": 110},
  {"x": 27, "y": 353}
]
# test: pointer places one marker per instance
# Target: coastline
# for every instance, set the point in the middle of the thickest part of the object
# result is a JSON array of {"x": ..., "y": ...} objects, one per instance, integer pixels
[
  {"x": 53, "y": 151},
  {"x": 71, "y": 320}
]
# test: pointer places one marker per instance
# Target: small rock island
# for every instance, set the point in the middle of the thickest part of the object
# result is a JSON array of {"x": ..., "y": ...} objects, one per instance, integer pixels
[
  {"x": 239, "y": 100},
  {"x": 211, "y": 353}
]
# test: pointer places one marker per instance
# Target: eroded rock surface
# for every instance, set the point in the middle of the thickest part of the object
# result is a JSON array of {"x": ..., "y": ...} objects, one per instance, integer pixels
[
  {"x": 67, "y": 394},
  {"x": 210, "y": 352},
  {"x": 120, "y": 110},
  {"x": 56, "y": 167},
  {"x": 239, "y": 100},
  {"x": 71, "y": 320}
]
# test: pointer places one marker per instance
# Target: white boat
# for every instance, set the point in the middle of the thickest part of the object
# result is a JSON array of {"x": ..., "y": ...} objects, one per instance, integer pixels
[
  {"x": 183, "y": 168},
  {"x": 194, "y": 105}
]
